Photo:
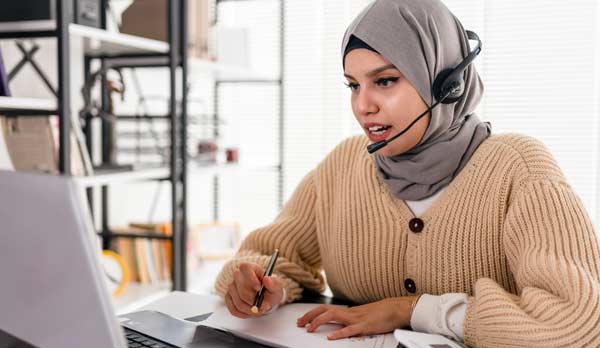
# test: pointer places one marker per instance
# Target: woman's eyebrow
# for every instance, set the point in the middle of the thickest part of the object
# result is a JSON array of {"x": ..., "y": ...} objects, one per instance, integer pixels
[{"x": 375, "y": 71}]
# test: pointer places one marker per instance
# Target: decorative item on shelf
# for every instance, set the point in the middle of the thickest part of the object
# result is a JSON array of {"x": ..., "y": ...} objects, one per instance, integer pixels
[
  {"x": 147, "y": 18},
  {"x": 213, "y": 241},
  {"x": 85, "y": 12},
  {"x": 32, "y": 145},
  {"x": 116, "y": 272},
  {"x": 232, "y": 154},
  {"x": 207, "y": 151},
  {"x": 114, "y": 87},
  {"x": 91, "y": 109}
]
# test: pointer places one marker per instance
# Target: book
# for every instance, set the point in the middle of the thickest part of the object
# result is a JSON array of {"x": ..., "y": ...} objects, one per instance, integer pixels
[
  {"x": 125, "y": 247},
  {"x": 142, "y": 262},
  {"x": 150, "y": 262},
  {"x": 157, "y": 253}
]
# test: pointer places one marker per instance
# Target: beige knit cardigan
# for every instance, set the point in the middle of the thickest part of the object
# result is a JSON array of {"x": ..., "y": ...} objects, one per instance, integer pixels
[{"x": 509, "y": 231}]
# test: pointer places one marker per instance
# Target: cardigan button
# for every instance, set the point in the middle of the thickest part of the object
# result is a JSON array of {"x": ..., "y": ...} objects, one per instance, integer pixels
[
  {"x": 410, "y": 286},
  {"x": 416, "y": 225}
]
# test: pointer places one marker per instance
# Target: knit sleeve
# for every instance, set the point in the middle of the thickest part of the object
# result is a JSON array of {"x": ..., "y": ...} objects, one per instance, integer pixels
[
  {"x": 553, "y": 253},
  {"x": 293, "y": 232}
]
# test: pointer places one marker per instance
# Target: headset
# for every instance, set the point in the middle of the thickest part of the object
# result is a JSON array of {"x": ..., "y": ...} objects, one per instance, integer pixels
[{"x": 448, "y": 87}]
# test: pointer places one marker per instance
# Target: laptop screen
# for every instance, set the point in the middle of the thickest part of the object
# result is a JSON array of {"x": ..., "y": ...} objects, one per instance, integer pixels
[{"x": 53, "y": 294}]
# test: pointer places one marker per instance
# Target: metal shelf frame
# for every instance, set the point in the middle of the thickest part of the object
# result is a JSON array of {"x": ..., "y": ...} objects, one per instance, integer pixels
[{"x": 174, "y": 59}]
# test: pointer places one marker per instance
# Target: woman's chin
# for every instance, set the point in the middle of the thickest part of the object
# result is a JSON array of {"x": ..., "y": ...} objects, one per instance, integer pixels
[{"x": 391, "y": 151}]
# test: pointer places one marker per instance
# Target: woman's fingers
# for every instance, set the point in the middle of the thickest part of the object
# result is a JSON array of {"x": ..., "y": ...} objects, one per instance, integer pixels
[
  {"x": 238, "y": 303},
  {"x": 332, "y": 314},
  {"x": 348, "y": 331},
  {"x": 252, "y": 273},
  {"x": 310, "y": 315},
  {"x": 232, "y": 308},
  {"x": 322, "y": 315},
  {"x": 244, "y": 288},
  {"x": 274, "y": 294}
]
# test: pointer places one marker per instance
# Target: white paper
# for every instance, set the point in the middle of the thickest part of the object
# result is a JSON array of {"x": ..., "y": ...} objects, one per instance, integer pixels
[
  {"x": 279, "y": 329},
  {"x": 411, "y": 339}
]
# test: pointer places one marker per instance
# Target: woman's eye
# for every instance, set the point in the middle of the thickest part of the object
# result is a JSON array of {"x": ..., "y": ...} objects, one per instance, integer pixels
[
  {"x": 386, "y": 81},
  {"x": 383, "y": 82},
  {"x": 352, "y": 86}
]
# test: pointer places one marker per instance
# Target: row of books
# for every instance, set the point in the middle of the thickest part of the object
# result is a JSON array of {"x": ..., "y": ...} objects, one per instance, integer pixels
[{"x": 149, "y": 261}]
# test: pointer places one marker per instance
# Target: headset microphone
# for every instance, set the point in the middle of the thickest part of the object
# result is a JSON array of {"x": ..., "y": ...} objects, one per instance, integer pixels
[
  {"x": 447, "y": 88},
  {"x": 378, "y": 145}
]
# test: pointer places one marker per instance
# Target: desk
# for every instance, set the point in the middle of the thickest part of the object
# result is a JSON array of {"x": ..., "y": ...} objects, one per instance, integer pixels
[
  {"x": 185, "y": 305},
  {"x": 193, "y": 308}
]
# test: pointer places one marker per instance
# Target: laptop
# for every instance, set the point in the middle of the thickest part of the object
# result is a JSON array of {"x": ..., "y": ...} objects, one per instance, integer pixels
[{"x": 52, "y": 291}]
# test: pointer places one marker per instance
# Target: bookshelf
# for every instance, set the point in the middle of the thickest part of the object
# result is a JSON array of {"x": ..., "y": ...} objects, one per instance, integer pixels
[
  {"x": 122, "y": 50},
  {"x": 100, "y": 45}
]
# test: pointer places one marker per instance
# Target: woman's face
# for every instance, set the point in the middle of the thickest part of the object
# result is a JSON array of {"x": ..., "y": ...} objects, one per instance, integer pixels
[{"x": 383, "y": 101}]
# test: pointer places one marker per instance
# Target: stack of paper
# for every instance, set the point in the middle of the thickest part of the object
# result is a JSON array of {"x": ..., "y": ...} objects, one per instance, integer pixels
[{"x": 278, "y": 329}]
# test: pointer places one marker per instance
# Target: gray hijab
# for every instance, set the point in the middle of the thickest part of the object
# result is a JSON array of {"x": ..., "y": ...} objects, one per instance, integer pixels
[{"x": 422, "y": 38}]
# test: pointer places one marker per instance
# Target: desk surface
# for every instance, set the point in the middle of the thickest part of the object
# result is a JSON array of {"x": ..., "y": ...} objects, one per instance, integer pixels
[
  {"x": 185, "y": 305},
  {"x": 194, "y": 308}
]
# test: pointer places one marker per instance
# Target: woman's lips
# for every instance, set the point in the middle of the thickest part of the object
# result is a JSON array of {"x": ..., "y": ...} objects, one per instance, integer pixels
[{"x": 379, "y": 137}]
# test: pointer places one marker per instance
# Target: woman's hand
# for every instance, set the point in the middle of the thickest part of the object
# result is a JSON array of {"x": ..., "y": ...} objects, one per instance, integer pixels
[
  {"x": 242, "y": 291},
  {"x": 369, "y": 319}
]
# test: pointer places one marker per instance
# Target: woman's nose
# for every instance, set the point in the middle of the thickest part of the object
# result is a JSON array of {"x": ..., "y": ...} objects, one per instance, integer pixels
[{"x": 365, "y": 104}]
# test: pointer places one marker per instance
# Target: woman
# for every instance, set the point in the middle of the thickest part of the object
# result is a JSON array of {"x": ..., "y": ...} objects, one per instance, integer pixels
[{"x": 447, "y": 229}]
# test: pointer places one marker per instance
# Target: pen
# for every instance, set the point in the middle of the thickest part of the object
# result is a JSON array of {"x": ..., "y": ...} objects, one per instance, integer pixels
[{"x": 261, "y": 293}]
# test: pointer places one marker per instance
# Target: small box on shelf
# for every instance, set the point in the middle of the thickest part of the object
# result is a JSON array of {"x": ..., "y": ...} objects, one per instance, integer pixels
[{"x": 146, "y": 18}]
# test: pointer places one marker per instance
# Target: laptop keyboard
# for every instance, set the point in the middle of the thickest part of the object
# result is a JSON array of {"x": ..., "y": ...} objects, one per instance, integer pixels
[{"x": 136, "y": 340}]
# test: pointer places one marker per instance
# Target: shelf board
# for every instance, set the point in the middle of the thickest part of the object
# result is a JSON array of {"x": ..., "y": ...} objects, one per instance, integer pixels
[
  {"x": 17, "y": 29},
  {"x": 120, "y": 177},
  {"x": 102, "y": 42},
  {"x": 28, "y": 104},
  {"x": 136, "y": 295},
  {"x": 220, "y": 169},
  {"x": 136, "y": 235},
  {"x": 163, "y": 173},
  {"x": 96, "y": 41}
]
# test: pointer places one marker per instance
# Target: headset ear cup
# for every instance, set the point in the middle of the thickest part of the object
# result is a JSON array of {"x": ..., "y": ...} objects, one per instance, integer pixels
[{"x": 439, "y": 82}]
